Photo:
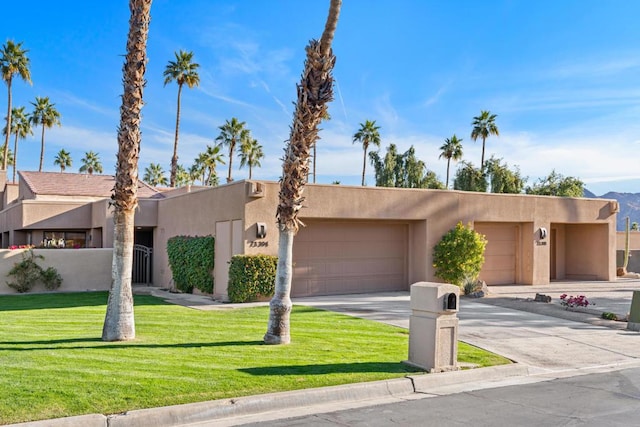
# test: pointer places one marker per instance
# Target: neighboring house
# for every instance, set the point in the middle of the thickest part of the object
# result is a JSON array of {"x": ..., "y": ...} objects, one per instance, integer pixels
[{"x": 356, "y": 239}]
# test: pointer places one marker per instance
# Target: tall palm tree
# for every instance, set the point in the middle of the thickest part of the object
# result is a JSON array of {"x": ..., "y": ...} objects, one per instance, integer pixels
[
  {"x": 45, "y": 115},
  {"x": 231, "y": 133},
  {"x": 251, "y": 154},
  {"x": 154, "y": 175},
  {"x": 119, "y": 322},
  {"x": 314, "y": 92},
  {"x": 21, "y": 128},
  {"x": 91, "y": 163},
  {"x": 483, "y": 126},
  {"x": 451, "y": 149},
  {"x": 63, "y": 160},
  {"x": 368, "y": 134},
  {"x": 13, "y": 62},
  {"x": 183, "y": 71}
]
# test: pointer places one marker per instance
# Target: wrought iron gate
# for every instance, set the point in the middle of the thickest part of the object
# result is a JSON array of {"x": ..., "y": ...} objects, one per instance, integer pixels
[{"x": 141, "y": 265}]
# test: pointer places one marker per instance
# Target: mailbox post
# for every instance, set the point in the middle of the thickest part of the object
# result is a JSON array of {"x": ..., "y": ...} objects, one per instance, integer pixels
[{"x": 433, "y": 326}]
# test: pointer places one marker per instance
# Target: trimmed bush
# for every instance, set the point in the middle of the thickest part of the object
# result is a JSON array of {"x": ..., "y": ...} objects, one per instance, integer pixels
[
  {"x": 251, "y": 276},
  {"x": 459, "y": 255},
  {"x": 192, "y": 260}
]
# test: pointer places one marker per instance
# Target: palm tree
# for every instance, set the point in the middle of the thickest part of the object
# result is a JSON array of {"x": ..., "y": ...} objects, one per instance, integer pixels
[
  {"x": 182, "y": 177},
  {"x": 367, "y": 134},
  {"x": 21, "y": 128},
  {"x": 210, "y": 159},
  {"x": 119, "y": 323},
  {"x": 251, "y": 154},
  {"x": 91, "y": 163},
  {"x": 231, "y": 133},
  {"x": 483, "y": 126},
  {"x": 46, "y": 115},
  {"x": 154, "y": 175},
  {"x": 63, "y": 160},
  {"x": 13, "y": 62},
  {"x": 183, "y": 71},
  {"x": 10, "y": 158},
  {"x": 451, "y": 149},
  {"x": 314, "y": 92}
]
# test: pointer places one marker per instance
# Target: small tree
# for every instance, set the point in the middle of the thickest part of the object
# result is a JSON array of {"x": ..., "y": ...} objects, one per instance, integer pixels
[
  {"x": 459, "y": 256},
  {"x": 468, "y": 178},
  {"x": 556, "y": 184}
]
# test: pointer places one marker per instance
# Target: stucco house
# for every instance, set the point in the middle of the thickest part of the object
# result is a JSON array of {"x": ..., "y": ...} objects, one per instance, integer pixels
[{"x": 356, "y": 239}]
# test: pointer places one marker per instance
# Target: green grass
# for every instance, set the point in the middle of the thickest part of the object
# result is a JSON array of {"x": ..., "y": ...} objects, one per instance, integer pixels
[{"x": 54, "y": 363}]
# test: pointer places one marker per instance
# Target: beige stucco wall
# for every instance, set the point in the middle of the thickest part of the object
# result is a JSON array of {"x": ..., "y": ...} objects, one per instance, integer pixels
[
  {"x": 194, "y": 214},
  {"x": 81, "y": 269}
]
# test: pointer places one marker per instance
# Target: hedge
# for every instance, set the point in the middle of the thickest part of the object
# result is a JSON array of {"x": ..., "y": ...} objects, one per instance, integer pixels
[
  {"x": 192, "y": 260},
  {"x": 251, "y": 276},
  {"x": 459, "y": 256}
]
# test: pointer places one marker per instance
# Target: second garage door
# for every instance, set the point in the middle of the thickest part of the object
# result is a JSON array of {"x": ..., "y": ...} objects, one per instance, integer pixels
[
  {"x": 344, "y": 257},
  {"x": 500, "y": 257}
]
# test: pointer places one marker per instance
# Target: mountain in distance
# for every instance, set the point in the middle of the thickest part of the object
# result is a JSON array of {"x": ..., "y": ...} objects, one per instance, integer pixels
[{"x": 629, "y": 206}]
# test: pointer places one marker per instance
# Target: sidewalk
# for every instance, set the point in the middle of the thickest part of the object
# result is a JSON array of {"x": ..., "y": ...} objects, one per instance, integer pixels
[{"x": 545, "y": 340}]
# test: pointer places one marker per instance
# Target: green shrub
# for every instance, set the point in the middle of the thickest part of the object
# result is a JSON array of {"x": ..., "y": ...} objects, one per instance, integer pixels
[
  {"x": 51, "y": 278},
  {"x": 459, "y": 255},
  {"x": 192, "y": 260},
  {"x": 251, "y": 276},
  {"x": 27, "y": 273}
]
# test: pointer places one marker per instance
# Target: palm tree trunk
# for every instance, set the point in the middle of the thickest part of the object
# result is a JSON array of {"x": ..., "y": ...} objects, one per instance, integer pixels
[
  {"x": 364, "y": 165},
  {"x": 119, "y": 324},
  {"x": 41, "y": 149},
  {"x": 6, "y": 138},
  {"x": 15, "y": 157},
  {"x": 231, "y": 146},
  {"x": 280, "y": 305},
  {"x": 482, "y": 160},
  {"x": 448, "y": 163},
  {"x": 314, "y": 92},
  {"x": 174, "y": 159},
  {"x": 119, "y": 320},
  {"x": 251, "y": 168}
]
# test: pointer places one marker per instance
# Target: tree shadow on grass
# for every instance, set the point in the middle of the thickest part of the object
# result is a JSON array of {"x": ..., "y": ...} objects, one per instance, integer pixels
[
  {"x": 92, "y": 343},
  {"x": 67, "y": 300},
  {"x": 332, "y": 368}
]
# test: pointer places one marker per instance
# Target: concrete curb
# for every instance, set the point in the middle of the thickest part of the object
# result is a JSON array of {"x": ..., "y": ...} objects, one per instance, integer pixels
[
  {"x": 251, "y": 405},
  {"x": 91, "y": 420},
  {"x": 425, "y": 383},
  {"x": 226, "y": 408}
]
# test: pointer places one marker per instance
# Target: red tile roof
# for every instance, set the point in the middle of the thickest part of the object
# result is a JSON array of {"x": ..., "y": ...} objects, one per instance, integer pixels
[{"x": 76, "y": 184}]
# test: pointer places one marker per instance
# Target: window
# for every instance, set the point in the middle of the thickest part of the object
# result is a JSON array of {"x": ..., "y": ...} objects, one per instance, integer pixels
[{"x": 65, "y": 239}]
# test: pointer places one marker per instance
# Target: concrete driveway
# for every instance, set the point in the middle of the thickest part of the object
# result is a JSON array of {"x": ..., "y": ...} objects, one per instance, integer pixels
[{"x": 545, "y": 337}]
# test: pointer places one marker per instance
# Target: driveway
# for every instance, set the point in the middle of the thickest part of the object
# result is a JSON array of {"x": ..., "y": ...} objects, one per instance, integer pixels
[{"x": 547, "y": 343}]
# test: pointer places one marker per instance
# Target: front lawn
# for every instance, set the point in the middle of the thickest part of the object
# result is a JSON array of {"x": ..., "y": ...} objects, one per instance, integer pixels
[{"x": 54, "y": 364}]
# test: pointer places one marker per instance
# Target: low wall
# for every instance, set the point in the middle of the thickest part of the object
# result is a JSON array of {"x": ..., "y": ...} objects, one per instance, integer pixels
[{"x": 81, "y": 269}]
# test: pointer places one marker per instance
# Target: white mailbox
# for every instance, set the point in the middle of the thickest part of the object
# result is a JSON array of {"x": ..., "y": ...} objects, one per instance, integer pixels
[{"x": 433, "y": 326}]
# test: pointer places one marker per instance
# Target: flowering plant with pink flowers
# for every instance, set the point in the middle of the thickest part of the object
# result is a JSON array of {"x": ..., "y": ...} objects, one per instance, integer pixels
[{"x": 571, "y": 301}]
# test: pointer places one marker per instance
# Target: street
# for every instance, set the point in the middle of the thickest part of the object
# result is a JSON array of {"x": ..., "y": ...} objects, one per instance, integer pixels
[{"x": 605, "y": 399}]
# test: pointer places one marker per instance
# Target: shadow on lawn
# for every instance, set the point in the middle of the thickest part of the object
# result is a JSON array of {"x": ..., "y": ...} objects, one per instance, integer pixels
[
  {"x": 97, "y": 343},
  {"x": 66, "y": 300},
  {"x": 332, "y": 368}
]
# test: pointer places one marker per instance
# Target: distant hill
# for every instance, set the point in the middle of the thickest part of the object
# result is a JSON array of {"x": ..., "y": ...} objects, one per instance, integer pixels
[{"x": 629, "y": 206}]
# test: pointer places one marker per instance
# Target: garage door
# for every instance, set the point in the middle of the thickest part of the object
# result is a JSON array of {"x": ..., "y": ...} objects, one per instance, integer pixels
[
  {"x": 500, "y": 255},
  {"x": 343, "y": 258}
]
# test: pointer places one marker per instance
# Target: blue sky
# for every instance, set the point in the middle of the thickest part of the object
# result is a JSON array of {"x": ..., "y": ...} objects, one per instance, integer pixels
[{"x": 562, "y": 76}]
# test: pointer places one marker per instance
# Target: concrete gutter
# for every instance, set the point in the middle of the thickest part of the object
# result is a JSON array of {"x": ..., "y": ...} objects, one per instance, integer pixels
[{"x": 201, "y": 412}]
